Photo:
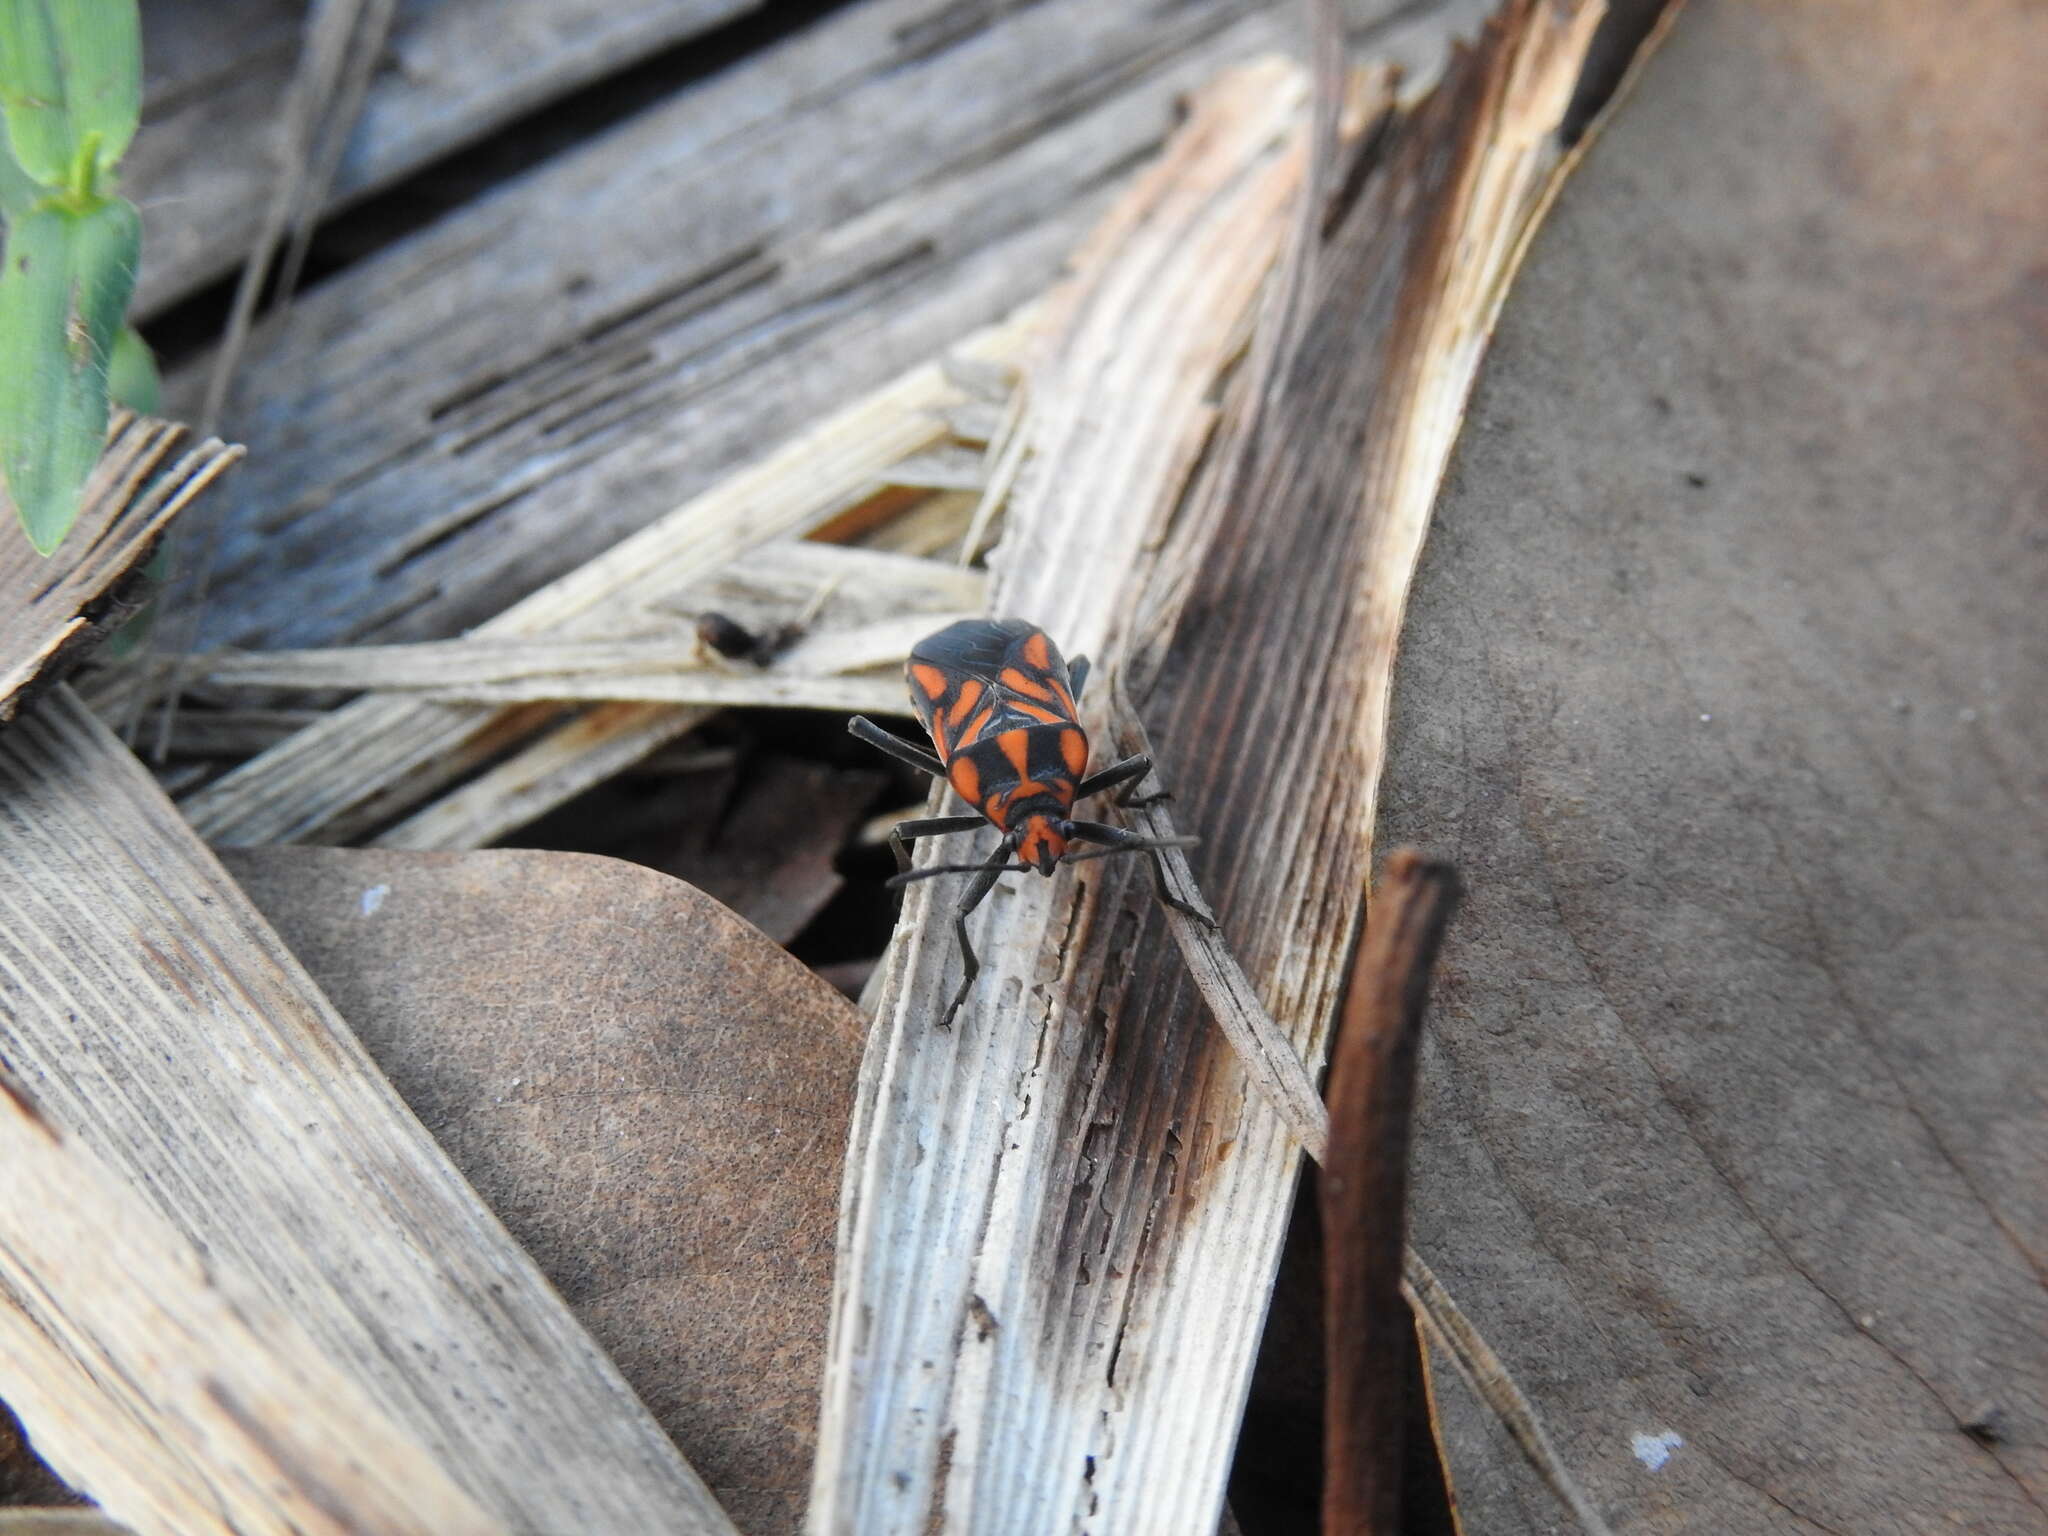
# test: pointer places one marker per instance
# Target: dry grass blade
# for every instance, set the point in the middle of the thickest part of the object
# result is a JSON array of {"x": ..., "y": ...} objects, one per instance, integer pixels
[
  {"x": 1005, "y": 457},
  {"x": 52, "y": 609},
  {"x": 59, "y": 1522},
  {"x": 845, "y": 695},
  {"x": 344, "y": 45},
  {"x": 1267, "y": 1056},
  {"x": 184, "y": 1400},
  {"x": 675, "y": 671},
  {"x": 988, "y": 1370},
  {"x": 442, "y": 664},
  {"x": 566, "y": 759},
  {"x": 228, "y": 734},
  {"x": 318, "y": 784},
  {"x": 548, "y": 771}
]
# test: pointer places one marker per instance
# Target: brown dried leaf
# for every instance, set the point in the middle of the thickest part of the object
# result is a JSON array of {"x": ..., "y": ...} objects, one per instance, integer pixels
[
  {"x": 1722, "y": 685},
  {"x": 650, "y": 1094}
]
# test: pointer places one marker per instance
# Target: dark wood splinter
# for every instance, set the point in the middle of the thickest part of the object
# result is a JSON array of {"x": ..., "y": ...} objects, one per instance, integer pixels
[{"x": 1371, "y": 1335}]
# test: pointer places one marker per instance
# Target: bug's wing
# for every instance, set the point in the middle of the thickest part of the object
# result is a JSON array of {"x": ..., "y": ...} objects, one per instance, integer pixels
[
  {"x": 999, "y": 652},
  {"x": 975, "y": 647},
  {"x": 980, "y": 678},
  {"x": 952, "y": 677}
]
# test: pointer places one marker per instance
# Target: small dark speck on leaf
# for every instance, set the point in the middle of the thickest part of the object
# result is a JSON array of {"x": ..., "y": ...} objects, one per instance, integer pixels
[
  {"x": 1987, "y": 1428},
  {"x": 984, "y": 1320},
  {"x": 1697, "y": 481}
]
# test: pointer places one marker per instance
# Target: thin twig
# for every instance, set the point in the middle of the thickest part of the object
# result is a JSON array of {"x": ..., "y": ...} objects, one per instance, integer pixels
[
  {"x": 344, "y": 42},
  {"x": 1263, "y": 1049},
  {"x": 1364, "y": 1196},
  {"x": 1453, "y": 1332}
]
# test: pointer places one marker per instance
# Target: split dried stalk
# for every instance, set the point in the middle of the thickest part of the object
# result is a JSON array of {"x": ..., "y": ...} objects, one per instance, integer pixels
[{"x": 50, "y": 609}]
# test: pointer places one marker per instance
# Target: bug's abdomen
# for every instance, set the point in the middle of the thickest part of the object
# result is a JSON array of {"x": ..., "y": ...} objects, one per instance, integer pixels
[{"x": 1015, "y": 772}]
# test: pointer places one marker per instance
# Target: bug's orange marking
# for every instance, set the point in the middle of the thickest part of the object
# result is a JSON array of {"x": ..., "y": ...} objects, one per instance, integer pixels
[
  {"x": 938, "y": 730},
  {"x": 978, "y": 724},
  {"x": 966, "y": 779},
  {"x": 1040, "y": 713},
  {"x": 1038, "y": 652},
  {"x": 1024, "y": 683},
  {"x": 929, "y": 678},
  {"x": 1016, "y": 746},
  {"x": 1074, "y": 751},
  {"x": 970, "y": 691}
]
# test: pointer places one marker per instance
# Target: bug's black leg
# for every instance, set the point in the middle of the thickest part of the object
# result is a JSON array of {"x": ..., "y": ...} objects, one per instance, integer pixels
[
  {"x": 927, "y": 826},
  {"x": 1131, "y": 770},
  {"x": 1077, "y": 676},
  {"x": 895, "y": 746},
  {"x": 983, "y": 884},
  {"x": 1117, "y": 837}
]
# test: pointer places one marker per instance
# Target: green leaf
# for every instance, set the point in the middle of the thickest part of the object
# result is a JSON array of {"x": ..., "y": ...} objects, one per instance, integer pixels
[
  {"x": 19, "y": 191},
  {"x": 70, "y": 86},
  {"x": 64, "y": 286},
  {"x": 131, "y": 374}
]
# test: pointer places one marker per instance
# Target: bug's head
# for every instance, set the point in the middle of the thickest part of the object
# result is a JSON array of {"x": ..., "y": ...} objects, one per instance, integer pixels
[{"x": 1042, "y": 841}]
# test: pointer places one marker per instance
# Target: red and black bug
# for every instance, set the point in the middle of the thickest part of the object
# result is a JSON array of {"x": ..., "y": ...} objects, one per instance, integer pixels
[{"x": 1000, "y": 703}]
